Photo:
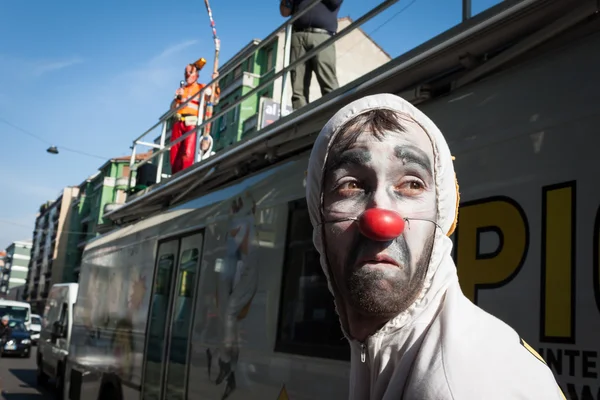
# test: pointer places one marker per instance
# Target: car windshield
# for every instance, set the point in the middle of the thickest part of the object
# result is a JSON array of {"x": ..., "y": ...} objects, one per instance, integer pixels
[
  {"x": 14, "y": 312},
  {"x": 36, "y": 320},
  {"x": 17, "y": 326}
]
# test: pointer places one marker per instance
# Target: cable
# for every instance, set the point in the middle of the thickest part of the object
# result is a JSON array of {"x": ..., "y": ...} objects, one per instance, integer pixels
[
  {"x": 4, "y": 221},
  {"x": 41, "y": 139},
  {"x": 379, "y": 27}
]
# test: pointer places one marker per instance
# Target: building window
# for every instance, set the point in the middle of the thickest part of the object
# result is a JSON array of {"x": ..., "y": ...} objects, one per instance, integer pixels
[
  {"x": 236, "y": 112},
  {"x": 237, "y": 72},
  {"x": 269, "y": 59},
  {"x": 223, "y": 118},
  {"x": 308, "y": 323}
]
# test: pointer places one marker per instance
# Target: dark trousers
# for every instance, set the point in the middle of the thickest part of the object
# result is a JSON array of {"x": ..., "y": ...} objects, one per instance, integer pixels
[{"x": 322, "y": 64}]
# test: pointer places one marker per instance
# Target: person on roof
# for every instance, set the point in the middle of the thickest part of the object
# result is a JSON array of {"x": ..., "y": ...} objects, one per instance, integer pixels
[
  {"x": 309, "y": 31},
  {"x": 383, "y": 200},
  {"x": 182, "y": 153}
]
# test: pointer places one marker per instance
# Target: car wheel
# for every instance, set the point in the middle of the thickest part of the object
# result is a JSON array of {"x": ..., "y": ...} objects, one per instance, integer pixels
[{"x": 41, "y": 377}]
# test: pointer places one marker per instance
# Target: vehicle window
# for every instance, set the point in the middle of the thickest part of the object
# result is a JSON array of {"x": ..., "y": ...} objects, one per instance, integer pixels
[
  {"x": 52, "y": 311},
  {"x": 64, "y": 315},
  {"x": 308, "y": 323},
  {"x": 189, "y": 260},
  {"x": 17, "y": 326},
  {"x": 36, "y": 321},
  {"x": 15, "y": 312},
  {"x": 158, "y": 319}
]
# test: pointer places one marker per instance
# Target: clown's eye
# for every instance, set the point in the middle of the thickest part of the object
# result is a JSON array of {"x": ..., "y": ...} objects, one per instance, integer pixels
[
  {"x": 411, "y": 187},
  {"x": 347, "y": 188}
]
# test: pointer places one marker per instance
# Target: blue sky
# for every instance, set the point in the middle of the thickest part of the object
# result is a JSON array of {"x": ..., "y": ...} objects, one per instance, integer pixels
[{"x": 92, "y": 75}]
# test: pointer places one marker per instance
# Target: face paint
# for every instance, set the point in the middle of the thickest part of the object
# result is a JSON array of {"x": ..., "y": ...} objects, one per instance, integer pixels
[{"x": 380, "y": 277}]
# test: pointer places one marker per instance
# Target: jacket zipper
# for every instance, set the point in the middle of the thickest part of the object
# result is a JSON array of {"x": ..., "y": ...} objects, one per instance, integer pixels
[{"x": 363, "y": 352}]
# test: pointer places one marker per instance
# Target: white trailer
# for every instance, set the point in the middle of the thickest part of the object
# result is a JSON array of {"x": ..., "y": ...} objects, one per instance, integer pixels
[{"x": 221, "y": 295}]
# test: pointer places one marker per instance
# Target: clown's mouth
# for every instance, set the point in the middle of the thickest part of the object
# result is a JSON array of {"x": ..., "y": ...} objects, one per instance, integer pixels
[{"x": 379, "y": 259}]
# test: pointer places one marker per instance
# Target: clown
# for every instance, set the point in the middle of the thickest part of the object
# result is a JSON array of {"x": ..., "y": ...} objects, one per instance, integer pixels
[{"x": 383, "y": 199}]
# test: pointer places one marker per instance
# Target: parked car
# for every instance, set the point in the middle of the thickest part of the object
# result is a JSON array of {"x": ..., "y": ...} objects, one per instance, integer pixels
[
  {"x": 35, "y": 328},
  {"x": 19, "y": 341}
]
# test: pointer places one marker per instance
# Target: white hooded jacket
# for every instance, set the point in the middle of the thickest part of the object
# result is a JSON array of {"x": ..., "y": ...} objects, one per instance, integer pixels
[{"x": 443, "y": 346}]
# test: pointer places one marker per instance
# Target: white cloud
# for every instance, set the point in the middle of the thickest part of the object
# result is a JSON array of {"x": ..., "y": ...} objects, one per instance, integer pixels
[
  {"x": 17, "y": 69},
  {"x": 43, "y": 67},
  {"x": 143, "y": 85},
  {"x": 172, "y": 50}
]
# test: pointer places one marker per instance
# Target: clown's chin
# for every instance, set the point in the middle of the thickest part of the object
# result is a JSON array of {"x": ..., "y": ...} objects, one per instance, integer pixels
[{"x": 379, "y": 289}]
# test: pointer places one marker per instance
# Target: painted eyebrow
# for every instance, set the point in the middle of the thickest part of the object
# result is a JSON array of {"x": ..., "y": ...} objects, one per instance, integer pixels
[
  {"x": 414, "y": 155},
  {"x": 351, "y": 157}
]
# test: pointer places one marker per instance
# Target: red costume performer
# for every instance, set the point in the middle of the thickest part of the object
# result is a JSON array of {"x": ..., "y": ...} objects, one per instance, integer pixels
[{"x": 182, "y": 153}]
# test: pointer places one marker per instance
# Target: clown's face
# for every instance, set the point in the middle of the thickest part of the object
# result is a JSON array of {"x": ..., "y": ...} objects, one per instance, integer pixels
[
  {"x": 191, "y": 74},
  {"x": 394, "y": 171}
]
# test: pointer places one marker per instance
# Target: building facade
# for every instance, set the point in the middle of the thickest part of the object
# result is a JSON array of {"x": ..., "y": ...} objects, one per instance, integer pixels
[
  {"x": 14, "y": 271},
  {"x": 357, "y": 54},
  {"x": 100, "y": 193},
  {"x": 48, "y": 256}
]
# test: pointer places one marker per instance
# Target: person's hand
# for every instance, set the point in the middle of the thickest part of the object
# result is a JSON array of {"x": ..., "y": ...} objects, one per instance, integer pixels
[{"x": 179, "y": 92}]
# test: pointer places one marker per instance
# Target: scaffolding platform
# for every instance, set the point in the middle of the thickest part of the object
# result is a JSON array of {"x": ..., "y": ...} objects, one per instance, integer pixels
[{"x": 470, "y": 51}]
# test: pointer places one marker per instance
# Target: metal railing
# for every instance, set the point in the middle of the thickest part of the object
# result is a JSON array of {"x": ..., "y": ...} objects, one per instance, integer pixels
[
  {"x": 287, "y": 67},
  {"x": 163, "y": 147}
]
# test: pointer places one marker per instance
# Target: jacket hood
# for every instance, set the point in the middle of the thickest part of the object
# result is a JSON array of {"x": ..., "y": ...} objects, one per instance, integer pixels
[
  {"x": 441, "y": 267},
  {"x": 205, "y": 154}
]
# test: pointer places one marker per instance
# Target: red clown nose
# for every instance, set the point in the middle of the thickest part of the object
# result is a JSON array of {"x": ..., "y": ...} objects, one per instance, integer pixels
[{"x": 381, "y": 225}]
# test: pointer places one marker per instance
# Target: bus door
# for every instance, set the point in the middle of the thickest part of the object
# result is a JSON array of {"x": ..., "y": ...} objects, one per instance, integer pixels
[{"x": 167, "y": 355}]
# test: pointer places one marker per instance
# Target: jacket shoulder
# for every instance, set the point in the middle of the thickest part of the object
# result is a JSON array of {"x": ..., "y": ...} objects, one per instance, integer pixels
[{"x": 483, "y": 357}]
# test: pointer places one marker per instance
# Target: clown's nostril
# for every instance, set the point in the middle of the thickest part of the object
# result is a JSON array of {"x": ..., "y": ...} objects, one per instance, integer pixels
[{"x": 381, "y": 225}]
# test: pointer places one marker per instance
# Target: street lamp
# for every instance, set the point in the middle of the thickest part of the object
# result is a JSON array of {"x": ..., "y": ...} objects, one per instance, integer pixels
[{"x": 52, "y": 150}]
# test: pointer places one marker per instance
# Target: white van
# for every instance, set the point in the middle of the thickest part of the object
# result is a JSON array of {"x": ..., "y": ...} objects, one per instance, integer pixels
[
  {"x": 35, "y": 328},
  {"x": 16, "y": 310},
  {"x": 55, "y": 335}
]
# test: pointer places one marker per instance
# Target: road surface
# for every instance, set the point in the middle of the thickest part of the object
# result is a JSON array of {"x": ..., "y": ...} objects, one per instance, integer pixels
[{"x": 17, "y": 379}]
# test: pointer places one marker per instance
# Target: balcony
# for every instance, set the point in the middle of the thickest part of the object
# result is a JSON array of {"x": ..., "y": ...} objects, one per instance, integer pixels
[
  {"x": 88, "y": 218},
  {"x": 122, "y": 182},
  {"x": 75, "y": 202},
  {"x": 110, "y": 207},
  {"x": 246, "y": 79}
]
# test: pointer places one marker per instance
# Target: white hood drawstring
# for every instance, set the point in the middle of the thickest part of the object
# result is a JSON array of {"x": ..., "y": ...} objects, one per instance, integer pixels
[{"x": 406, "y": 358}]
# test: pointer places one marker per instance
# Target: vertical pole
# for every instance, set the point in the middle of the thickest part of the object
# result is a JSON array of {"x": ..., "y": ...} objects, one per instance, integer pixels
[
  {"x": 286, "y": 62},
  {"x": 163, "y": 136},
  {"x": 466, "y": 9},
  {"x": 213, "y": 96},
  {"x": 197, "y": 154},
  {"x": 131, "y": 164}
]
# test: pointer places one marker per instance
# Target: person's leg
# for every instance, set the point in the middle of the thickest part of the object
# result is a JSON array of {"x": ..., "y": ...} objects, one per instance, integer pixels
[
  {"x": 188, "y": 148},
  {"x": 175, "y": 134},
  {"x": 324, "y": 63},
  {"x": 298, "y": 73}
]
